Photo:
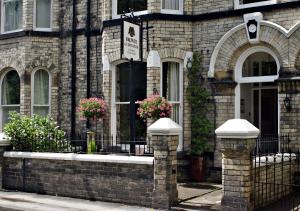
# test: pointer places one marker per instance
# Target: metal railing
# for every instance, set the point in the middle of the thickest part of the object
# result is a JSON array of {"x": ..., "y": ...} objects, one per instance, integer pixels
[
  {"x": 273, "y": 143},
  {"x": 79, "y": 144}
]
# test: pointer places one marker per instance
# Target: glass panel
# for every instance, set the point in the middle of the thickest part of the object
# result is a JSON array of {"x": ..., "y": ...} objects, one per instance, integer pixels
[
  {"x": 11, "y": 89},
  {"x": 175, "y": 113},
  {"x": 41, "y": 110},
  {"x": 171, "y": 81},
  {"x": 41, "y": 88},
  {"x": 43, "y": 13},
  {"x": 139, "y": 83},
  {"x": 5, "y": 113},
  {"x": 170, "y": 4},
  {"x": 123, "y": 124},
  {"x": 135, "y": 5},
  {"x": 13, "y": 15},
  {"x": 259, "y": 64}
]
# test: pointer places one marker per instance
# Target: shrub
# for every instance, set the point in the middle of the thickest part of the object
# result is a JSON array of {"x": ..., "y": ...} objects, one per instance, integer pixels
[
  {"x": 35, "y": 133},
  {"x": 154, "y": 107}
]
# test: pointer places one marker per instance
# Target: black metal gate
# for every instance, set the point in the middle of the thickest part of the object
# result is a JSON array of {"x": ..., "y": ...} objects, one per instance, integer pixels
[{"x": 276, "y": 174}]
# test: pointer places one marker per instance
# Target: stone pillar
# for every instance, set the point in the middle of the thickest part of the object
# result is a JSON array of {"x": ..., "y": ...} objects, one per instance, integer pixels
[
  {"x": 164, "y": 135},
  {"x": 237, "y": 142},
  {"x": 4, "y": 143}
]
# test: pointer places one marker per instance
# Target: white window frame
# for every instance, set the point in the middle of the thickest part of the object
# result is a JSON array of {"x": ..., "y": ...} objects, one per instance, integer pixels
[
  {"x": 32, "y": 91},
  {"x": 3, "y": 19},
  {"x": 34, "y": 18},
  {"x": 237, "y": 4},
  {"x": 115, "y": 14},
  {"x": 175, "y": 12},
  {"x": 12, "y": 105},
  {"x": 180, "y": 102},
  {"x": 259, "y": 79}
]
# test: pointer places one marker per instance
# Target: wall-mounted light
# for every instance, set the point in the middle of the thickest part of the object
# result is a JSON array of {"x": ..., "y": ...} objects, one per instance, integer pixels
[
  {"x": 287, "y": 103},
  {"x": 189, "y": 64}
]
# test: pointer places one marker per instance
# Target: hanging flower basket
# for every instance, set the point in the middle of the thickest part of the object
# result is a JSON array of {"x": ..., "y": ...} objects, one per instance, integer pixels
[
  {"x": 154, "y": 107},
  {"x": 92, "y": 108}
]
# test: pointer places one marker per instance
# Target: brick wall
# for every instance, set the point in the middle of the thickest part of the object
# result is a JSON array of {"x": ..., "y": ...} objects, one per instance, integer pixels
[{"x": 116, "y": 182}]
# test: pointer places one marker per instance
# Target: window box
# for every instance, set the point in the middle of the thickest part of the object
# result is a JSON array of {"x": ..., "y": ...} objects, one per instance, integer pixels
[{"x": 241, "y": 4}]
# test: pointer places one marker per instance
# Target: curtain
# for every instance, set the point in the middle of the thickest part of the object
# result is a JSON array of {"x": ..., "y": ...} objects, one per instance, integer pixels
[
  {"x": 173, "y": 89},
  {"x": 170, "y": 4},
  {"x": 41, "y": 93},
  {"x": 13, "y": 14},
  {"x": 43, "y": 13}
]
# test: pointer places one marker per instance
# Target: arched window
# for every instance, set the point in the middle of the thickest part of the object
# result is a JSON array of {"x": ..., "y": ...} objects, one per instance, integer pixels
[
  {"x": 41, "y": 92},
  {"x": 10, "y": 95}
]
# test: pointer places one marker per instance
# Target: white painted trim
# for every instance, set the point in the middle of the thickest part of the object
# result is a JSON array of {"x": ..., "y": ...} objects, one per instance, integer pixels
[
  {"x": 105, "y": 63},
  {"x": 3, "y": 19},
  {"x": 82, "y": 157},
  {"x": 1, "y": 81},
  {"x": 181, "y": 85},
  {"x": 175, "y": 12},
  {"x": 34, "y": 18},
  {"x": 32, "y": 90},
  {"x": 153, "y": 59},
  {"x": 237, "y": 4},
  {"x": 115, "y": 7},
  {"x": 286, "y": 33}
]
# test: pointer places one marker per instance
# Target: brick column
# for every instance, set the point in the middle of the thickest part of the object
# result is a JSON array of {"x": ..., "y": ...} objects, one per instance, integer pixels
[
  {"x": 165, "y": 138},
  {"x": 237, "y": 142},
  {"x": 4, "y": 143}
]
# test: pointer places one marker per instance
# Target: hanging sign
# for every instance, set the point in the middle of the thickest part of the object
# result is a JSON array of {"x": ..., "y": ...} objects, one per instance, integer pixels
[{"x": 131, "y": 46}]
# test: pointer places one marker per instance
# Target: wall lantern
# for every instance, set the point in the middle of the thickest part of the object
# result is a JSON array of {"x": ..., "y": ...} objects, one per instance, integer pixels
[{"x": 287, "y": 103}]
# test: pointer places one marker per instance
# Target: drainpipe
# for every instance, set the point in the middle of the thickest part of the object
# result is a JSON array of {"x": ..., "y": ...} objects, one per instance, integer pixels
[
  {"x": 73, "y": 74},
  {"x": 88, "y": 53}
]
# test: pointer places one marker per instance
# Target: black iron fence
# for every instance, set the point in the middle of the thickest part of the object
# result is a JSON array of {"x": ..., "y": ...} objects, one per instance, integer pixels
[
  {"x": 80, "y": 144},
  {"x": 273, "y": 143}
]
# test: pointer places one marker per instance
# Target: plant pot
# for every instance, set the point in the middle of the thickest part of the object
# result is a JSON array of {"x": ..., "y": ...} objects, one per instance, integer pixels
[{"x": 197, "y": 168}]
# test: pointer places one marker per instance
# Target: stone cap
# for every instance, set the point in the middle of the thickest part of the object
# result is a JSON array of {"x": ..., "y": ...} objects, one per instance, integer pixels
[
  {"x": 237, "y": 129},
  {"x": 4, "y": 141},
  {"x": 165, "y": 126}
]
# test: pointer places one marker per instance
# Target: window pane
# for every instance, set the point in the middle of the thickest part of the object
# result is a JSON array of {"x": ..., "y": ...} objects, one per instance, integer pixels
[
  {"x": 11, "y": 89},
  {"x": 43, "y": 13},
  {"x": 5, "y": 113},
  {"x": 175, "y": 113},
  {"x": 140, "y": 82},
  {"x": 251, "y": 1},
  {"x": 171, "y": 81},
  {"x": 170, "y": 4},
  {"x": 41, "y": 88},
  {"x": 259, "y": 64},
  {"x": 13, "y": 15},
  {"x": 41, "y": 110},
  {"x": 136, "y": 5}
]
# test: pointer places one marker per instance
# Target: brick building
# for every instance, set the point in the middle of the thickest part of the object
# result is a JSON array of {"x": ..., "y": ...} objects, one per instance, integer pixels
[{"x": 58, "y": 52}]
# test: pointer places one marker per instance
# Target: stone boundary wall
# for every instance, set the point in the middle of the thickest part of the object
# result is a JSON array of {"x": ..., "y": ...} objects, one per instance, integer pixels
[
  {"x": 271, "y": 178},
  {"x": 96, "y": 177}
]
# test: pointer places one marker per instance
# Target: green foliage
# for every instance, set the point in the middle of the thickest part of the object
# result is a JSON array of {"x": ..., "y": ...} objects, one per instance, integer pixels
[
  {"x": 34, "y": 134},
  {"x": 198, "y": 97},
  {"x": 92, "y": 147}
]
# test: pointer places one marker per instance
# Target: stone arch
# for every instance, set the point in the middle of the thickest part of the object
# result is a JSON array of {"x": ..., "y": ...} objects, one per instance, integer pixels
[
  {"x": 172, "y": 53},
  {"x": 42, "y": 62},
  {"x": 274, "y": 36}
]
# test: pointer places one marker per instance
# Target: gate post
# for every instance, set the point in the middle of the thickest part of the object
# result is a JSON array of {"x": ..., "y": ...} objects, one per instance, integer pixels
[
  {"x": 4, "y": 143},
  {"x": 164, "y": 135},
  {"x": 237, "y": 143}
]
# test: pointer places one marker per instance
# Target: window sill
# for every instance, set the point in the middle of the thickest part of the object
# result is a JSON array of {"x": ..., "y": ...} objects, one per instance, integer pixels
[
  {"x": 173, "y": 12},
  {"x": 13, "y": 31},
  {"x": 43, "y": 29},
  {"x": 237, "y": 5},
  {"x": 115, "y": 16}
]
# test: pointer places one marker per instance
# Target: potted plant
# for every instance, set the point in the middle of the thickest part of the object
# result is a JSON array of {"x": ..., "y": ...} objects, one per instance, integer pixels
[
  {"x": 198, "y": 98},
  {"x": 154, "y": 107},
  {"x": 92, "y": 109}
]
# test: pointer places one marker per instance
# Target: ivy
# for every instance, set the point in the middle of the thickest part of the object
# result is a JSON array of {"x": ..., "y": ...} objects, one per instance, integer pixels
[{"x": 198, "y": 98}]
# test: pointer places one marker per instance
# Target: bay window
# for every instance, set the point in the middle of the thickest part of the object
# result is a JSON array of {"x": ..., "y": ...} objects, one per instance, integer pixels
[
  {"x": 41, "y": 93},
  {"x": 120, "y": 6},
  {"x": 172, "y": 6},
  {"x": 10, "y": 95},
  {"x": 43, "y": 14},
  {"x": 12, "y": 15}
]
